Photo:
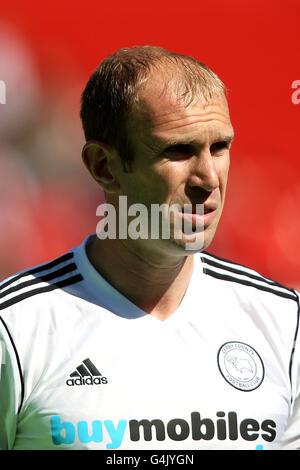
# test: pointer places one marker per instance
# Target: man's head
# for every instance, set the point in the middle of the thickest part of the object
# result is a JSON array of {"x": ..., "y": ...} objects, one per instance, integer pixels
[
  {"x": 165, "y": 117},
  {"x": 111, "y": 95}
]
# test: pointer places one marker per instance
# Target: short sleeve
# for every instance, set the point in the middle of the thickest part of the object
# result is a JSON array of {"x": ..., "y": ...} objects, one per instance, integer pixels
[
  {"x": 292, "y": 433},
  {"x": 10, "y": 388}
]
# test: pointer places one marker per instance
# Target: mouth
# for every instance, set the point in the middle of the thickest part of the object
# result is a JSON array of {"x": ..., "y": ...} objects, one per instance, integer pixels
[
  {"x": 209, "y": 208},
  {"x": 200, "y": 209},
  {"x": 199, "y": 216}
]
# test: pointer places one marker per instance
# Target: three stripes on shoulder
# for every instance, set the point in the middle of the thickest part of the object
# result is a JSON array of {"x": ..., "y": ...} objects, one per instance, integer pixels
[
  {"x": 56, "y": 274},
  {"x": 225, "y": 270},
  {"x": 63, "y": 272}
]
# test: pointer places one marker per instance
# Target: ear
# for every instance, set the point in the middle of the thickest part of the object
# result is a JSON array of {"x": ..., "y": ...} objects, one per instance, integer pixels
[{"x": 97, "y": 158}]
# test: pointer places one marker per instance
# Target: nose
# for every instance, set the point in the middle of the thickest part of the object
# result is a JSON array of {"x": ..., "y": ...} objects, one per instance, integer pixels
[{"x": 203, "y": 173}]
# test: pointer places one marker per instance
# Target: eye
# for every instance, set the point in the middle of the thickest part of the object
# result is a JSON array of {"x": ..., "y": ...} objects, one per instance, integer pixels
[
  {"x": 180, "y": 150},
  {"x": 218, "y": 147}
]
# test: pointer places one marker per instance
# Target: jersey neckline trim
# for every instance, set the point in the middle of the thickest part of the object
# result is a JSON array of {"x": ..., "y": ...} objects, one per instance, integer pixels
[{"x": 107, "y": 296}]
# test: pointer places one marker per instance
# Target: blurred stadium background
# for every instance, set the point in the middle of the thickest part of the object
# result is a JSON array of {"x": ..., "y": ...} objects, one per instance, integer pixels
[{"x": 47, "y": 52}]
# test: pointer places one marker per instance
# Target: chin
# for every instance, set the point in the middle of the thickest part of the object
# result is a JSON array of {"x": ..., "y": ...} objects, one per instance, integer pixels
[{"x": 185, "y": 247}]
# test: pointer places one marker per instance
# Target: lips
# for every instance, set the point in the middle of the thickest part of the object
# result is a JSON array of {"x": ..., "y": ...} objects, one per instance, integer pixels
[
  {"x": 198, "y": 208},
  {"x": 199, "y": 216},
  {"x": 209, "y": 208}
]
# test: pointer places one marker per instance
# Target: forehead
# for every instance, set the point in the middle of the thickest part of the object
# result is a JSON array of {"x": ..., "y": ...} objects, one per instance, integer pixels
[{"x": 161, "y": 114}]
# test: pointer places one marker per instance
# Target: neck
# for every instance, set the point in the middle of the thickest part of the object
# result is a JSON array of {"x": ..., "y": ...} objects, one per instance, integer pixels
[{"x": 155, "y": 284}]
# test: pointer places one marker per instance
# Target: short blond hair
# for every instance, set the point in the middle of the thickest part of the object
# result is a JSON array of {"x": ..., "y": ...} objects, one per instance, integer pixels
[{"x": 112, "y": 89}]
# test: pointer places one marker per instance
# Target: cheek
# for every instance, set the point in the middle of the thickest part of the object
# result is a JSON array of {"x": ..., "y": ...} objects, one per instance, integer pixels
[
  {"x": 145, "y": 189},
  {"x": 223, "y": 169},
  {"x": 174, "y": 176},
  {"x": 163, "y": 183}
]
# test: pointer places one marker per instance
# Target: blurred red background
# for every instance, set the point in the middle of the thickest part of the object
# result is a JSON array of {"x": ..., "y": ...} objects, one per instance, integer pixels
[{"x": 47, "y": 52}]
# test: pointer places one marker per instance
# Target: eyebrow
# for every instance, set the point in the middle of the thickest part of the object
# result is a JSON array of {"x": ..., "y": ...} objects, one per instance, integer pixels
[{"x": 188, "y": 141}]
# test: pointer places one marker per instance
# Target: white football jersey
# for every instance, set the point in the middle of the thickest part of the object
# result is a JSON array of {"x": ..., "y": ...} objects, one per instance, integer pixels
[{"x": 82, "y": 367}]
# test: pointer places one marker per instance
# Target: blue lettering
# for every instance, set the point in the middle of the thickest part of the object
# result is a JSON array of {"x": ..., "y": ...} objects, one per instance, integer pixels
[
  {"x": 56, "y": 430},
  {"x": 116, "y": 435},
  {"x": 259, "y": 447},
  {"x": 83, "y": 434},
  {"x": 64, "y": 432}
]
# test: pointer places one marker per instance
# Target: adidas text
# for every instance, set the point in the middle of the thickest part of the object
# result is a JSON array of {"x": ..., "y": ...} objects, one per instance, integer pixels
[{"x": 87, "y": 381}]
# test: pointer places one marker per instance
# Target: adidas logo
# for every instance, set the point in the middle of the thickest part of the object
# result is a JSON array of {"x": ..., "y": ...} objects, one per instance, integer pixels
[{"x": 86, "y": 374}]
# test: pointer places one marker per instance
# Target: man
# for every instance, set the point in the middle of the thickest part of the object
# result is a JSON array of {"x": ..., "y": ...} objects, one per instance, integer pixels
[{"x": 140, "y": 342}]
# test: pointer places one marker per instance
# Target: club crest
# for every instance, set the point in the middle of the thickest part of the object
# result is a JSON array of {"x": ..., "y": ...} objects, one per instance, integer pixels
[{"x": 240, "y": 365}]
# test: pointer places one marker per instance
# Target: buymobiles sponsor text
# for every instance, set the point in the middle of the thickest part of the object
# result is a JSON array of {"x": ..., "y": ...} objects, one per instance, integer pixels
[{"x": 224, "y": 426}]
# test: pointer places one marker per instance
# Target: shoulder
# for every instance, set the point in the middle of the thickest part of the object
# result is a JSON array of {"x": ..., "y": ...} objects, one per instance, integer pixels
[
  {"x": 240, "y": 276},
  {"x": 35, "y": 282},
  {"x": 32, "y": 305},
  {"x": 34, "y": 301}
]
